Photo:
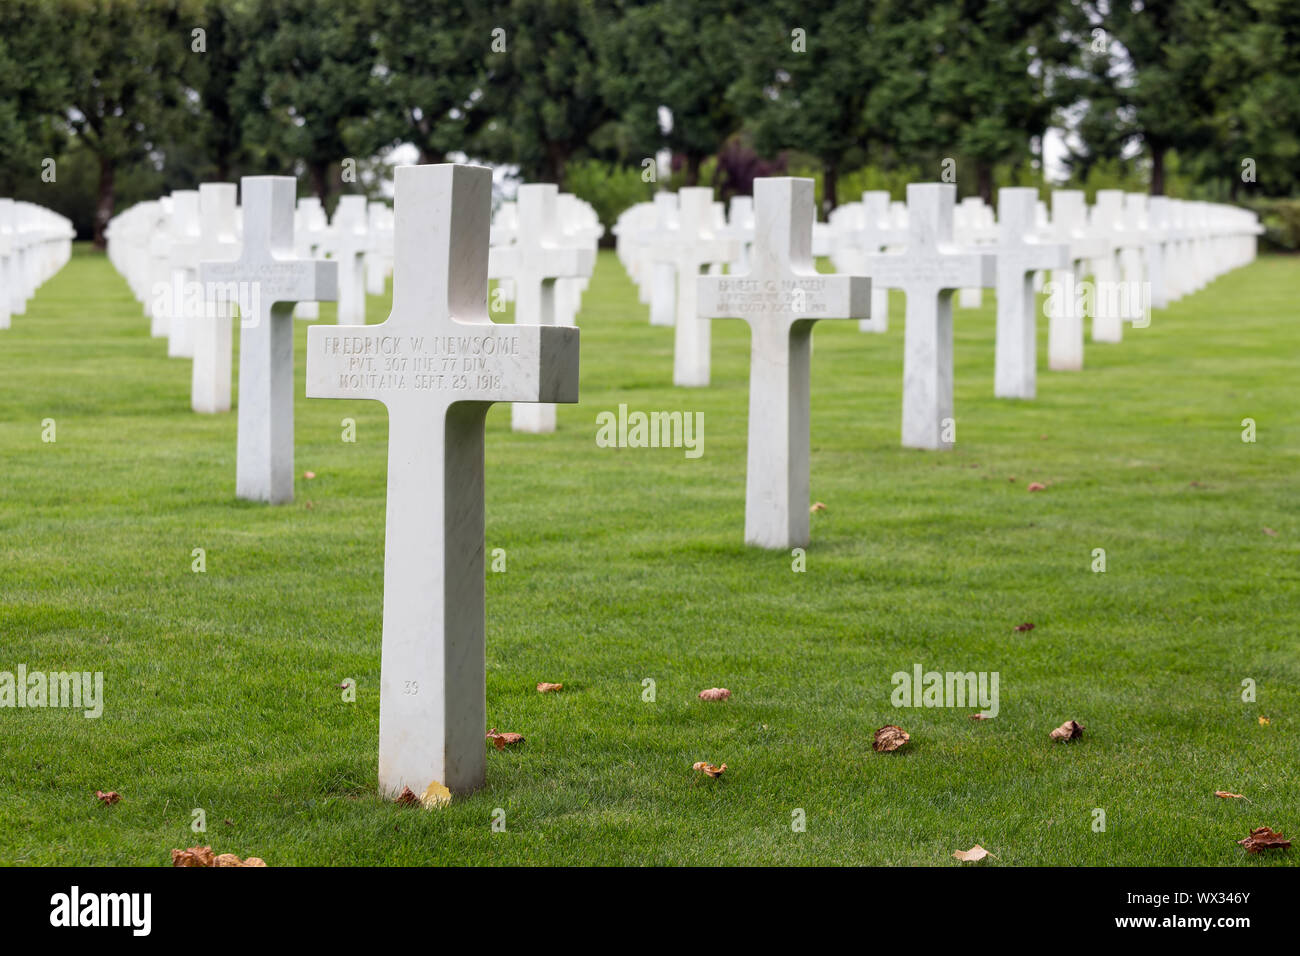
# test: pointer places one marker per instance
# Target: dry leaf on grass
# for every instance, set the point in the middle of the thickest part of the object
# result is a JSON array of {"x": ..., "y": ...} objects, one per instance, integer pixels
[
  {"x": 889, "y": 738},
  {"x": 816, "y": 507},
  {"x": 973, "y": 855},
  {"x": 435, "y": 795},
  {"x": 407, "y": 798},
  {"x": 1070, "y": 730},
  {"x": 202, "y": 856},
  {"x": 708, "y": 768},
  {"x": 715, "y": 693},
  {"x": 107, "y": 799},
  {"x": 1264, "y": 838},
  {"x": 194, "y": 856},
  {"x": 309, "y": 475},
  {"x": 1270, "y": 532},
  {"x": 1027, "y": 626},
  {"x": 545, "y": 688},
  {"x": 1037, "y": 486},
  {"x": 1230, "y": 796},
  {"x": 504, "y": 739},
  {"x": 1264, "y": 721},
  {"x": 980, "y": 716}
]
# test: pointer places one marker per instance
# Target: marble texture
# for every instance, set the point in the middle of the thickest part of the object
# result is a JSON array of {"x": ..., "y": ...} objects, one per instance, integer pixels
[
  {"x": 1019, "y": 255},
  {"x": 183, "y": 262},
  {"x": 268, "y": 281},
  {"x": 537, "y": 258},
  {"x": 927, "y": 271},
  {"x": 213, "y": 325},
  {"x": 437, "y": 364},
  {"x": 780, "y": 297},
  {"x": 697, "y": 246}
]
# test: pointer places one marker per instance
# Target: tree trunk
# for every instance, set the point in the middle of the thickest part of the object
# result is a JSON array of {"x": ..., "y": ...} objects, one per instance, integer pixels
[
  {"x": 984, "y": 181},
  {"x": 830, "y": 188},
  {"x": 104, "y": 204},
  {"x": 693, "y": 162},
  {"x": 1157, "y": 170},
  {"x": 320, "y": 180},
  {"x": 557, "y": 158}
]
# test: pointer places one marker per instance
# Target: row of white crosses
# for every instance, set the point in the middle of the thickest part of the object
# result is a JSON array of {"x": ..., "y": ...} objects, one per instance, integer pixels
[
  {"x": 546, "y": 266},
  {"x": 35, "y": 243},
  {"x": 781, "y": 294}
]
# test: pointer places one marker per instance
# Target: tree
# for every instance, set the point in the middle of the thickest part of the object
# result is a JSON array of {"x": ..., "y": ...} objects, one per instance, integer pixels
[
  {"x": 29, "y": 111},
  {"x": 311, "y": 71},
  {"x": 545, "y": 89},
  {"x": 810, "y": 69},
  {"x": 1148, "y": 84},
  {"x": 126, "y": 96},
  {"x": 682, "y": 56},
  {"x": 974, "y": 80},
  {"x": 431, "y": 78}
]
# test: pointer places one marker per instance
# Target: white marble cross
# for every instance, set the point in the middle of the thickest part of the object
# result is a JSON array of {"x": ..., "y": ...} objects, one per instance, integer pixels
[
  {"x": 781, "y": 296},
  {"x": 662, "y": 255},
  {"x": 876, "y": 234},
  {"x": 1019, "y": 255},
  {"x": 438, "y": 363},
  {"x": 212, "y": 325},
  {"x": 6, "y": 259},
  {"x": 1065, "y": 304},
  {"x": 538, "y": 257},
  {"x": 310, "y": 227},
  {"x": 347, "y": 243},
  {"x": 1106, "y": 220},
  {"x": 927, "y": 271},
  {"x": 183, "y": 259},
  {"x": 160, "y": 272},
  {"x": 266, "y": 280},
  {"x": 379, "y": 256},
  {"x": 697, "y": 246}
]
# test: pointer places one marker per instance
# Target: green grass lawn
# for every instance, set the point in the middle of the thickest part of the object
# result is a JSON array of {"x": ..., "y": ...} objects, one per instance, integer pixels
[{"x": 628, "y": 564}]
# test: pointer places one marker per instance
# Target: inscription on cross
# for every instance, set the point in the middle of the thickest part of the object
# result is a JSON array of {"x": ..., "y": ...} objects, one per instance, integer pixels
[
  {"x": 781, "y": 297},
  {"x": 437, "y": 364},
  {"x": 927, "y": 271}
]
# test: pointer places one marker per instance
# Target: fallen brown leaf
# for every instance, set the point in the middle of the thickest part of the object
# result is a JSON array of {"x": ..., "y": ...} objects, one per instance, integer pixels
[
  {"x": 1270, "y": 532},
  {"x": 1069, "y": 730},
  {"x": 545, "y": 688},
  {"x": 229, "y": 859},
  {"x": 504, "y": 739},
  {"x": 1264, "y": 721},
  {"x": 407, "y": 798},
  {"x": 1027, "y": 626},
  {"x": 715, "y": 693},
  {"x": 980, "y": 716},
  {"x": 194, "y": 856},
  {"x": 1036, "y": 486},
  {"x": 1228, "y": 796},
  {"x": 889, "y": 738},
  {"x": 816, "y": 507},
  {"x": 708, "y": 768},
  {"x": 107, "y": 799},
  {"x": 973, "y": 855},
  {"x": 1264, "y": 838}
]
